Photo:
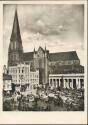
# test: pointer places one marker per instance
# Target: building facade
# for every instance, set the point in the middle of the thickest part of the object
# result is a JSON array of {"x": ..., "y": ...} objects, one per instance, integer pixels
[
  {"x": 22, "y": 77},
  {"x": 7, "y": 82},
  {"x": 42, "y": 60},
  {"x": 73, "y": 81}
]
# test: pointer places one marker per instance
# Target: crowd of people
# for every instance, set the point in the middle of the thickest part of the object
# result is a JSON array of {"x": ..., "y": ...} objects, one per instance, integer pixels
[{"x": 45, "y": 100}]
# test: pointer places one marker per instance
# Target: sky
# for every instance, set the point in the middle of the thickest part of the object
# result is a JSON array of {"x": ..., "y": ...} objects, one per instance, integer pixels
[{"x": 59, "y": 27}]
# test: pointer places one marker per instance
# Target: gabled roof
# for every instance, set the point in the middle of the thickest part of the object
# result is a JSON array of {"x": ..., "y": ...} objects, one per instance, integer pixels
[
  {"x": 63, "y": 56},
  {"x": 40, "y": 48},
  {"x": 28, "y": 56}
]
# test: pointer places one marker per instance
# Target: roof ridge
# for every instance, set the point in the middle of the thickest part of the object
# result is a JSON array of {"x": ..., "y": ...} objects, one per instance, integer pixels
[
  {"x": 63, "y": 52},
  {"x": 28, "y": 52}
]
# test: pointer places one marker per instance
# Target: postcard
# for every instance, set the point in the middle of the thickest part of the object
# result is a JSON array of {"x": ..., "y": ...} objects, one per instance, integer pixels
[{"x": 43, "y": 62}]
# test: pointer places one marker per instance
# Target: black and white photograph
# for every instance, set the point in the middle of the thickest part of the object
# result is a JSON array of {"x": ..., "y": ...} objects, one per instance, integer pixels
[{"x": 43, "y": 57}]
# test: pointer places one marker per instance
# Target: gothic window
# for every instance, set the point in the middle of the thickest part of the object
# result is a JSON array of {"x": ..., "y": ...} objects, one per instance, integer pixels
[
  {"x": 15, "y": 45},
  {"x": 14, "y": 56},
  {"x": 22, "y": 70}
]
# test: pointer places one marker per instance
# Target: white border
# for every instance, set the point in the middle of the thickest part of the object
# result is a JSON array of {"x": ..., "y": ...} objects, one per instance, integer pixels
[{"x": 43, "y": 117}]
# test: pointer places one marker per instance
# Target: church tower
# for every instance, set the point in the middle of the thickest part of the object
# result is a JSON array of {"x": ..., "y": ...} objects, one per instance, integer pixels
[
  {"x": 15, "y": 52},
  {"x": 46, "y": 66}
]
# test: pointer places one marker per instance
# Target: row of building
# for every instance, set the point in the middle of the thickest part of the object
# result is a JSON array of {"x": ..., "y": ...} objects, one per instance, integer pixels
[{"x": 22, "y": 77}]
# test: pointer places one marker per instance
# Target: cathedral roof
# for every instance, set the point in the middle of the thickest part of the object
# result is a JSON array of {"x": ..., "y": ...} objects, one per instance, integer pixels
[
  {"x": 63, "y": 56},
  {"x": 28, "y": 56}
]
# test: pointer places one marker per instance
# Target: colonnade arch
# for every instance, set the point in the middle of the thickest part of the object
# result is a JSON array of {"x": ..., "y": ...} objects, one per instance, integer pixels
[{"x": 66, "y": 82}]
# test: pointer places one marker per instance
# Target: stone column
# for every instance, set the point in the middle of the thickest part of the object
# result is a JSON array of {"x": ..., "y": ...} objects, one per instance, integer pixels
[
  {"x": 56, "y": 83},
  {"x": 59, "y": 82},
  {"x": 70, "y": 83},
  {"x": 67, "y": 83},
  {"x": 79, "y": 83},
  {"x": 64, "y": 83},
  {"x": 51, "y": 83}
]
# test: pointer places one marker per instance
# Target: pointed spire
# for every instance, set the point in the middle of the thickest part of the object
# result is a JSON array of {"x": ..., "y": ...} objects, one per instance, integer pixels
[
  {"x": 45, "y": 51},
  {"x": 45, "y": 47},
  {"x": 16, "y": 29},
  {"x": 34, "y": 49}
]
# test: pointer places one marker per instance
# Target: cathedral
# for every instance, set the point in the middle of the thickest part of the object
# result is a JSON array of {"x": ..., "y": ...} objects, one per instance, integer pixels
[{"x": 41, "y": 59}]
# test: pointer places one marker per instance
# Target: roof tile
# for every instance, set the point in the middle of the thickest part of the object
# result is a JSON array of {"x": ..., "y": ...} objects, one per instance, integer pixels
[{"x": 63, "y": 56}]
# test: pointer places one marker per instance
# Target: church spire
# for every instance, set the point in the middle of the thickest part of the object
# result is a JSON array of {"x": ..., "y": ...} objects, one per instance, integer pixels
[
  {"x": 45, "y": 47},
  {"x": 15, "y": 52},
  {"x": 34, "y": 49},
  {"x": 15, "y": 36}
]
